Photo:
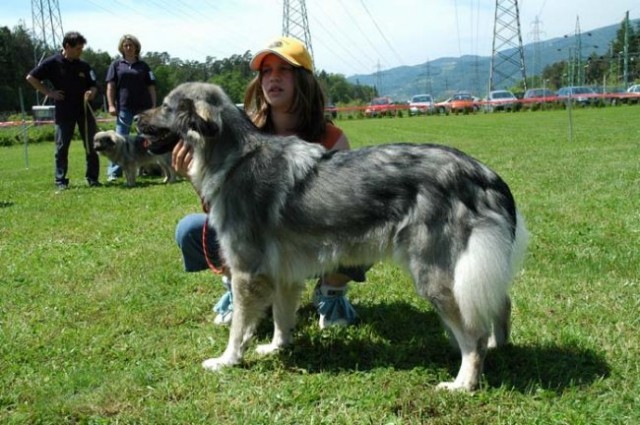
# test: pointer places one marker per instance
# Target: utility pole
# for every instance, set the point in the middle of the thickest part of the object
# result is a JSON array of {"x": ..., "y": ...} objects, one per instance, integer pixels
[
  {"x": 379, "y": 79},
  {"x": 507, "y": 58},
  {"x": 625, "y": 51},
  {"x": 295, "y": 23},
  {"x": 578, "y": 54}
]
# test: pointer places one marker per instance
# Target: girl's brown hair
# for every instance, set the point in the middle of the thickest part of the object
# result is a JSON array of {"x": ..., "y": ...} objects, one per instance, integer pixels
[{"x": 308, "y": 105}]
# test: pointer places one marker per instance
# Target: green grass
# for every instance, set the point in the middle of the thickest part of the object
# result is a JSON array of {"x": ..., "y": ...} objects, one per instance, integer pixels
[{"x": 99, "y": 324}]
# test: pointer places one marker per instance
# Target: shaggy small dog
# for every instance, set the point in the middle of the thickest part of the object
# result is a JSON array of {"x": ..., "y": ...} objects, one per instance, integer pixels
[
  {"x": 131, "y": 154},
  {"x": 285, "y": 210}
]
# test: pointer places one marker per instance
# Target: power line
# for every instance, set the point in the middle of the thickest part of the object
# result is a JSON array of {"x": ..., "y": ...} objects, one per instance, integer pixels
[{"x": 393, "y": 50}]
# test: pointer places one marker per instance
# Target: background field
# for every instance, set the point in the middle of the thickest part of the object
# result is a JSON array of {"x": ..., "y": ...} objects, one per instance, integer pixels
[{"x": 99, "y": 324}]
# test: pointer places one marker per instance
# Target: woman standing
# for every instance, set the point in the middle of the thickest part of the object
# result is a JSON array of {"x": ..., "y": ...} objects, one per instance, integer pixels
[{"x": 131, "y": 89}]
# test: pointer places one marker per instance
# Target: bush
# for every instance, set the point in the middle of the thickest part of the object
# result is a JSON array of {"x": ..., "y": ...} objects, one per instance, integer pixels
[{"x": 37, "y": 133}]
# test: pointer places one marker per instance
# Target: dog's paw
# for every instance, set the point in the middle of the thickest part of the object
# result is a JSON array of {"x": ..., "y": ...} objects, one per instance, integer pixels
[
  {"x": 266, "y": 349},
  {"x": 453, "y": 386},
  {"x": 217, "y": 364}
]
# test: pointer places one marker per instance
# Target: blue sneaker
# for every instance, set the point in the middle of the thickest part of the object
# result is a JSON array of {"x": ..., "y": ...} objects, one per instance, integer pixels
[
  {"x": 333, "y": 306},
  {"x": 224, "y": 306}
]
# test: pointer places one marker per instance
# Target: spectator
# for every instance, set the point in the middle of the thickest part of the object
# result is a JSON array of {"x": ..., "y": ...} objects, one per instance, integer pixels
[
  {"x": 131, "y": 89},
  {"x": 284, "y": 98},
  {"x": 74, "y": 86}
]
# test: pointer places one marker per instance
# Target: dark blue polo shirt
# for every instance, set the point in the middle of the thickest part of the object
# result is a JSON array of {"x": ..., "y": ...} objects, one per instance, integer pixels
[
  {"x": 132, "y": 84},
  {"x": 73, "y": 77}
]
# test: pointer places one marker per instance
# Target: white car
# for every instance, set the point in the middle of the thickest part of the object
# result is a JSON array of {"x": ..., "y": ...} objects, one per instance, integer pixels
[
  {"x": 500, "y": 100},
  {"x": 634, "y": 89},
  {"x": 421, "y": 104}
]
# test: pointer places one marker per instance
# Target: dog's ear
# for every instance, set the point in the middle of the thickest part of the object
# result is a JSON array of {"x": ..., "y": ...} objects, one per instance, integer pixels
[{"x": 197, "y": 116}]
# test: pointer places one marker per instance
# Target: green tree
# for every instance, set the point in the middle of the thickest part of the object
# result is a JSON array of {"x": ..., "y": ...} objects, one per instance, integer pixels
[{"x": 16, "y": 59}]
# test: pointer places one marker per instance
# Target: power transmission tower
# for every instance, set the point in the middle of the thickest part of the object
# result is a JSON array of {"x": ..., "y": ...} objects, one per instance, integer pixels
[
  {"x": 295, "y": 23},
  {"x": 507, "y": 59},
  {"x": 536, "y": 48},
  {"x": 47, "y": 27}
]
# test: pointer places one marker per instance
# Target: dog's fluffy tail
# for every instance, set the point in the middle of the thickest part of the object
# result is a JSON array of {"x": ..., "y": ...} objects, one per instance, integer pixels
[{"x": 485, "y": 271}]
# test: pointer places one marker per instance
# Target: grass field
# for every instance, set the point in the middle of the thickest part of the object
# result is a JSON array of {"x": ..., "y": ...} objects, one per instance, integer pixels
[{"x": 99, "y": 324}]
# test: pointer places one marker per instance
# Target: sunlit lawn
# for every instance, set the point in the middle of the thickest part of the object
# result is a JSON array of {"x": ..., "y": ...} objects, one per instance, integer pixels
[{"x": 99, "y": 324}]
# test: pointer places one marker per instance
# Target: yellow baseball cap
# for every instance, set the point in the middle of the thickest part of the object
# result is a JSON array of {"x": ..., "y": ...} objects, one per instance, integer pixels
[{"x": 289, "y": 49}]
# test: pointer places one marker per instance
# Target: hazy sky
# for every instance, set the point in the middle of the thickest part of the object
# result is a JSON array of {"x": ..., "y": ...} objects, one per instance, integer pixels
[{"x": 348, "y": 36}]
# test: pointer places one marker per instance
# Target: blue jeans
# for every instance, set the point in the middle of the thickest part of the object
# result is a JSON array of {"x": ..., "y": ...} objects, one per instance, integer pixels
[
  {"x": 124, "y": 121},
  {"x": 63, "y": 134},
  {"x": 189, "y": 239}
]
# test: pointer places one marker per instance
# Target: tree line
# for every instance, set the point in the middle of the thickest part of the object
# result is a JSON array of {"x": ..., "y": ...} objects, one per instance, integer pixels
[
  {"x": 620, "y": 66},
  {"x": 17, "y": 58}
]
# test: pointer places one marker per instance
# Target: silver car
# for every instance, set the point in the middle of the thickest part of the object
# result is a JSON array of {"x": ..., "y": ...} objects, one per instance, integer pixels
[{"x": 421, "y": 104}]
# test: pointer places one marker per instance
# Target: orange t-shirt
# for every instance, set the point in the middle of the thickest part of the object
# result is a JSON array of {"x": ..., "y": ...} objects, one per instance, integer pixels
[{"x": 331, "y": 137}]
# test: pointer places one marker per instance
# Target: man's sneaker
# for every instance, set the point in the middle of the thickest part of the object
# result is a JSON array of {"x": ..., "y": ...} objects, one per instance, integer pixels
[
  {"x": 224, "y": 306},
  {"x": 94, "y": 183},
  {"x": 61, "y": 187},
  {"x": 111, "y": 179},
  {"x": 333, "y": 306}
]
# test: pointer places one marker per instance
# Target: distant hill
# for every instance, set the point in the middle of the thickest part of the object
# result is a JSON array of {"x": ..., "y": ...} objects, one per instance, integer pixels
[{"x": 444, "y": 76}]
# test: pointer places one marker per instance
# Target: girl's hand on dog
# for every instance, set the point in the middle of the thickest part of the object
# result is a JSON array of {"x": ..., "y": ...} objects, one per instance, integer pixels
[{"x": 181, "y": 159}]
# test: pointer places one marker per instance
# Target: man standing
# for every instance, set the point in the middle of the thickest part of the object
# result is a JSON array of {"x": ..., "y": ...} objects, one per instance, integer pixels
[{"x": 74, "y": 85}]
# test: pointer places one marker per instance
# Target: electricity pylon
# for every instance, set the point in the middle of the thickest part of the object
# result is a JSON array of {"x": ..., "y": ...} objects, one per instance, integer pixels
[
  {"x": 47, "y": 27},
  {"x": 507, "y": 59},
  {"x": 295, "y": 23}
]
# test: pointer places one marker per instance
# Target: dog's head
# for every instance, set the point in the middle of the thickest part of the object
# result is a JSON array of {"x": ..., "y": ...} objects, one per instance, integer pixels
[
  {"x": 105, "y": 141},
  {"x": 190, "y": 107}
]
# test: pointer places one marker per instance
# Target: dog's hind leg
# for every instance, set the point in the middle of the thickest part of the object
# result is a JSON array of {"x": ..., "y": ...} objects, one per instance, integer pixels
[
  {"x": 251, "y": 297},
  {"x": 501, "y": 326},
  {"x": 285, "y": 305},
  {"x": 470, "y": 338},
  {"x": 473, "y": 348},
  {"x": 477, "y": 301}
]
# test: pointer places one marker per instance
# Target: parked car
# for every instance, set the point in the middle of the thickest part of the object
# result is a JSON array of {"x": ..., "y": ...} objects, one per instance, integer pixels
[
  {"x": 380, "y": 106},
  {"x": 421, "y": 104},
  {"x": 535, "y": 98},
  {"x": 633, "y": 94},
  {"x": 459, "y": 102},
  {"x": 501, "y": 100},
  {"x": 579, "y": 95},
  {"x": 613, "y": 95}
]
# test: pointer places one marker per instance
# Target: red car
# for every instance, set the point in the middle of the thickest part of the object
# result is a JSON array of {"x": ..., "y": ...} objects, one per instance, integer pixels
[
  {"x": 459, "y": 102},
  {"x": 380, "y": 106}
]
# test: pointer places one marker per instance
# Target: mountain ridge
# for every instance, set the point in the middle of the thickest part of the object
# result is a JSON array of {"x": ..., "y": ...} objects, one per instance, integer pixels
[{"x": 446, "y": 75}]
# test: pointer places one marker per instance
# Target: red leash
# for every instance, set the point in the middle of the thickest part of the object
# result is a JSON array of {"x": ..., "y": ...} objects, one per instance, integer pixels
[{"x": 205, "y": 231}]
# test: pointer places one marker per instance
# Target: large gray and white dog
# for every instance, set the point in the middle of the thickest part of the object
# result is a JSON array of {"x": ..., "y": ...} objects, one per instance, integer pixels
[
  {"x": 129, "y": 153},
  {"x": 286, "y": 210}
]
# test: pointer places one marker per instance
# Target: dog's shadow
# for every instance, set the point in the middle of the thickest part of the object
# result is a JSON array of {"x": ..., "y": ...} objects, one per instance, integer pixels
[{"x": 403, "y": 337}]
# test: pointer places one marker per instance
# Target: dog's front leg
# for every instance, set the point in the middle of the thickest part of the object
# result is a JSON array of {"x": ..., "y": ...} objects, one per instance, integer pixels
[
  {"x": 251, "y": 297},
  {"x": 285, "y": 305}
]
